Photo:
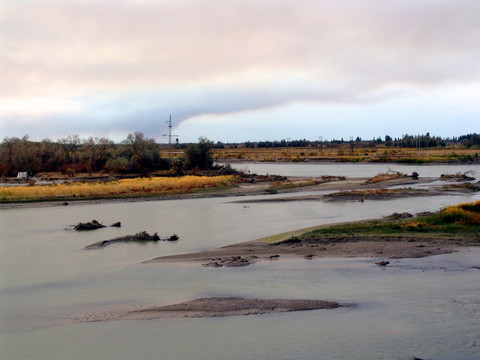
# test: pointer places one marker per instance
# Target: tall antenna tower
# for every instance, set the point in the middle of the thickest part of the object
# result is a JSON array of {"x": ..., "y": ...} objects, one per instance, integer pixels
[{"x": 169, "y": 122}]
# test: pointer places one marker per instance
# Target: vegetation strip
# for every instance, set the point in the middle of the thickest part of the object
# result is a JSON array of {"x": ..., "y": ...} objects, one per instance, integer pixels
[
  {"x": 453, "y": 221},
  {"x": 120, "y": 188}
]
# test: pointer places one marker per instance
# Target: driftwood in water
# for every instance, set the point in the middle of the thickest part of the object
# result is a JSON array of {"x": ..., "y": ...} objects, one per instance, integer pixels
[
  {"x": 458, "y": 176},
  {"x": 93, "y": 225},
  {"x": 139, "y": 237}
]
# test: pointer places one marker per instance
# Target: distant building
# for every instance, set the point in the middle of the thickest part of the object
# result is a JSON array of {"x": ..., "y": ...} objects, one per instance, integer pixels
[{"x": 22, "y": 175}]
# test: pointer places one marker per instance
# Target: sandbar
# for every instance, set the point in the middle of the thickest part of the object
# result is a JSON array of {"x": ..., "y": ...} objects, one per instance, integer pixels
[{"x": 212, "y": 307}]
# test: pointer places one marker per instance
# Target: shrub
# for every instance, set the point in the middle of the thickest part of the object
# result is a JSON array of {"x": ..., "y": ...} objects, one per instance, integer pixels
[
  {"x": 384, "y": 177},
  {"x": 199, "y": 156},
  {"x": 463, "y": 214},
  {"x": 473, "y": 207}
]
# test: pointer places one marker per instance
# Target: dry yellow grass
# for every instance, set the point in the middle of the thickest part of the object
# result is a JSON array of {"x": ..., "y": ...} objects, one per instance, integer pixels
[
  {"x": 385, "y": 177},
  {"x": 120, "y": 188},
  {"x": 343, "y": 153},
  {"x": 462, "y": 214}
]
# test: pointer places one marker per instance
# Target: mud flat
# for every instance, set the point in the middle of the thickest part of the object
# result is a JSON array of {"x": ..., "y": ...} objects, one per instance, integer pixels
[
  {"x": 377, "y": 247},
  {"x": 398, "y": 236},
  {"x": 212, "y": 307}
]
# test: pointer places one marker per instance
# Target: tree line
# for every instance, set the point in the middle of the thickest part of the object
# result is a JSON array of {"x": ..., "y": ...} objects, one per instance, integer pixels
[
  {"x": 136, "y": 154},
  {"x": 406, "y": 141}
]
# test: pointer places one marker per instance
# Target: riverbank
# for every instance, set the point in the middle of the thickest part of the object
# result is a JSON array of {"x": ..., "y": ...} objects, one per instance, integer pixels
[{"x": 261, "y": 187}]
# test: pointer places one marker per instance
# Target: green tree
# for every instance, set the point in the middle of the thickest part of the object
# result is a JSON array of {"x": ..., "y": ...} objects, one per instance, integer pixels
[
  {"x": 199, "y": 156},
  {"x": 6, "y": 156},
  {"x": 96, "y": 152},
  {"x": 23, "y": 155},
  {"x": 117, "y": 165},
  {"x": 143, "y": 154}
]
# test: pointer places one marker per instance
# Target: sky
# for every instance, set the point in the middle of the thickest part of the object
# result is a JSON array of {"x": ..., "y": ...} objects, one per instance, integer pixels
[{"x": 235, "y": 71}]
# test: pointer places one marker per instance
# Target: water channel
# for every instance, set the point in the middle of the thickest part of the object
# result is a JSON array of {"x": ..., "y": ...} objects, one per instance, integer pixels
[{"x": 426, "y": 307}]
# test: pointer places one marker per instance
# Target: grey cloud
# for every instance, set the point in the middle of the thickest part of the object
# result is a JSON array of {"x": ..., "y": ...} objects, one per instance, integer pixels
[
  {"x": 155, "y": 43},
  {"x": 131, "y": 63}
]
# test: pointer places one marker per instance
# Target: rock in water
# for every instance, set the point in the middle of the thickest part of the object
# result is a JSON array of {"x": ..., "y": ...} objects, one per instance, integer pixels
[{"x": 173, "y": 237}]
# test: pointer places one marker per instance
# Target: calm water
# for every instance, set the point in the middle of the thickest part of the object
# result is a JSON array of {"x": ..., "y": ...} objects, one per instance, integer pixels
[
  {"x": 353, "y": 170},
  {"x": 428, "y": 307}
]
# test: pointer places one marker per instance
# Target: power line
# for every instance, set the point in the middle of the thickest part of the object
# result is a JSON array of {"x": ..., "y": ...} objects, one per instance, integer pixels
[{"x": 169, "y": 122}]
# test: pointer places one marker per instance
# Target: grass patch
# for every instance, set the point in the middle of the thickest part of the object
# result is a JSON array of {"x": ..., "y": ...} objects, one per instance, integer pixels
[
  {"x": 391, "y": 175},
  {"x": 285, "y": 184},
  {"x": 452, "y": 221},
  {"x": 375, "y": 194}
]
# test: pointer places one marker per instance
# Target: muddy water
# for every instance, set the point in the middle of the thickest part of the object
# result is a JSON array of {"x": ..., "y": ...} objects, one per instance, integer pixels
[{"x": 424, "y": 307}]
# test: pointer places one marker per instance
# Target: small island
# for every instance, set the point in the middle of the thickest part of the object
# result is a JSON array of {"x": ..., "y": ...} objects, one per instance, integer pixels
[{"x": 213, "y": 307}]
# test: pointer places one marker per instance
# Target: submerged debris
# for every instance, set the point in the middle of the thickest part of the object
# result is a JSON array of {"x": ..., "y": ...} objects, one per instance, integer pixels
[
  {"x": 138, "y": 237},
  {"x": 92, "y": 225},
  {"x": 142, "y": 236},
  {"x": 458, "y": 176},
  {"x": 173, "y": 237},
  {"x": 231, "y": 261}
]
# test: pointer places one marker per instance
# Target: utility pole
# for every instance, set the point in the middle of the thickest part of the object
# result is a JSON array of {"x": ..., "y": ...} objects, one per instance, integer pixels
[{"x": 169, "y": 122}]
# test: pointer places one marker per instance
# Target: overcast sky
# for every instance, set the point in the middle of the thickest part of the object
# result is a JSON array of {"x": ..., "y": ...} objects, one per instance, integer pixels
[{"x": 234, "y": 71}]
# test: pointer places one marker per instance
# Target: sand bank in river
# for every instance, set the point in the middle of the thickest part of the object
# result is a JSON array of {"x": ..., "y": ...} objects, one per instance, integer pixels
[
  {"x": 378, "y": 247},
  {"x": 212, "y": 307}
]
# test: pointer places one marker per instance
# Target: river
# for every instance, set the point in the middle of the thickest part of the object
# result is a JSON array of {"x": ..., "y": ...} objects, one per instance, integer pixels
[{"x": 427, "y": 307}]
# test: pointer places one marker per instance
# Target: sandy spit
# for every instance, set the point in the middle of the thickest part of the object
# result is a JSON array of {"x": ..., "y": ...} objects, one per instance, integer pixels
[{"x": 212, "y": 307}]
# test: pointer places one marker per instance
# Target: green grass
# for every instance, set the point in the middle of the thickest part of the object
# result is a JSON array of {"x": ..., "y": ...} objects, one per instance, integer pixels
[{"x": 452, "y": 221}]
